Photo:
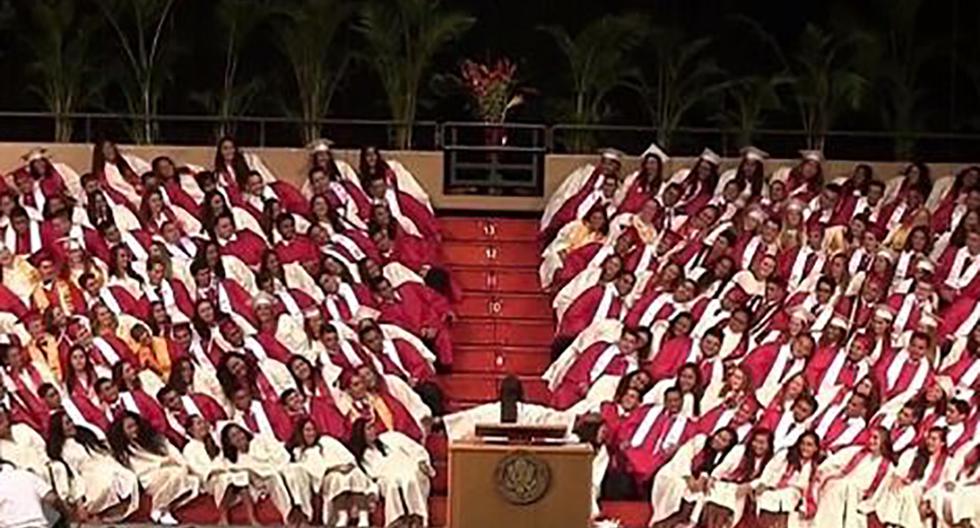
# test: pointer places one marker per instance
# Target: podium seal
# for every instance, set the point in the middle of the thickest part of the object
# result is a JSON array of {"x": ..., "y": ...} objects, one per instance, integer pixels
[{"x": 522, "y": 478}]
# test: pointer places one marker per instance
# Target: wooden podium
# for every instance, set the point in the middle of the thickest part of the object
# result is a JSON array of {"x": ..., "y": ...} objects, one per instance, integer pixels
[{"x": 511, "y": 484}]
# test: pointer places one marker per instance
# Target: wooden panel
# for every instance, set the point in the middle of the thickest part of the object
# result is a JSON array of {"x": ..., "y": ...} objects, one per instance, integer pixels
[
  {"x": 505, "y": 306},
  {"x": 473, "y": 331},
  {"x": 499, "y": 279},
  {"x": 475, "y": 501},
  {"x": 501, "y": 360},
  {"x": 491, "y": 253},
  {"x": 485, "y": 229},
  {"x": 526, "y": 333}
]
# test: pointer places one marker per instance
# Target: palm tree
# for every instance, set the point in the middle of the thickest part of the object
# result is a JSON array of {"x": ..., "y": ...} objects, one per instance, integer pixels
[
  {"x": 893, "y": 55},
  {"x": 403, "y": 37},
  {"x": 826, "y": 81},
  {"x": 599, "y": 60},
  {"x": 685, "y": 75},
  {"x": 238, "y": 19},
  {"x": 747, "y": 101},
  {"x": 141, "y": 28},
  {"x": 61, "y": 39},
  {"x": 309, "y": 40}
]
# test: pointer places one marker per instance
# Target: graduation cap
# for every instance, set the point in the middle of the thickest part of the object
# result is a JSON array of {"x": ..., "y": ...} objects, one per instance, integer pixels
[
  {"x": 320, "y": 145},
  {"x": 753, "y": 153},
  {"x": 710, "y": 156},
  {"x": 801, "y": 313},
  {"x": 35, "y": 154},
  {"x": 812, "y": 155},
  {"x": 885, "y": 312},
  {"x": 655, "y": 150},
  {"x": 612, "y": 154}
]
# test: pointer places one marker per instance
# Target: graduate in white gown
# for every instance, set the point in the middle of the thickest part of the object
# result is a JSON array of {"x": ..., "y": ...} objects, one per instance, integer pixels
[
  {"x": 401, "y": 468},
  {"x": 727, "y": 493},
  {"x": 912, "y": 490},
  {"x": 161, "y": 469},
  {"x": 347, "y": 491},
  {"x": 678, "y": 489},
  {"x": 851, "y": 480},
  {"x": 85, "y": 475},
  {"x": 22, "y": 446},
  {"x": 510, "y": 409},
  {"x": 961, "y": 497},
  {"x": 784, "y": 493},
  {"x": 271, "y": 473},
  {"x": 227, "y": 486}
]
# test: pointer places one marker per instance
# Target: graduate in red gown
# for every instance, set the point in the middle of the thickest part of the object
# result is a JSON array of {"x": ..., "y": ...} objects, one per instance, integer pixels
[
  {"x": 292, "y": 246},
  {"x": 397, "y": 356},
  {"x": 243, "y": 244},
  {"x": 264, "y": 416},
  {"x": 318, "y": 400},
  {"x": 906, "y": 369},
  {"x": 178, "y": 408},
  {"x": 411, "y": 308},
  {"x": 597, "y": 303},
  {"x": 617, "y": 359},
  {"x": 657, "y": 432}
]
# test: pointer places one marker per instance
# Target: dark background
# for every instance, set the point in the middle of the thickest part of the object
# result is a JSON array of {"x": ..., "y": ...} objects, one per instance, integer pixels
[{"x": 508, "y": 28}]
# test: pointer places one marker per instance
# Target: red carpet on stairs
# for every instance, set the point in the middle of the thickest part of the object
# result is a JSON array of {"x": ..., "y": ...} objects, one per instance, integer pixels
[{"x": 504, "y": 326}]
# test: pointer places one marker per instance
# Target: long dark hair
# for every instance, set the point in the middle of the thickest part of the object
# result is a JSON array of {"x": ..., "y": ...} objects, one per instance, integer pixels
[
  {"x": 238, "y": 163},
  {"x": 229, "y": 384},
  {"x": 118, "y": 381},
  {"x": 358, "y": 440},
  {"x": 92, "y": 214},
  {"x": 146, "y": 438},
  {"x": 651, "y": 183},
  {"x": 57, "y": 438},
  {"x": 208, "y": 214},
  {"x": 128, "y": 272},
  {"x": 922, "y": 455},
  {"x": 756, "y": 181},
  {"x": 746, "y": 469},
  {"x": 794, "y": 458},
  {"x": 296, "y": 438},
  {"x": 698, "y": 390},
  {"x": 366, "y": 173},
  {"x": 71, "y": 377},
  {"x": 709, "y": 458},
  {"x": 230, "y": 451},
  {"x": 99, "y": 161}
]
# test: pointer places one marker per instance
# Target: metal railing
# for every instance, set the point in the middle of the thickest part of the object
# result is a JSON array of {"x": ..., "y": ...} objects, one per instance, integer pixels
[
  {"x": 506, "y": 158},
  {"x": 280, "y": 131}
]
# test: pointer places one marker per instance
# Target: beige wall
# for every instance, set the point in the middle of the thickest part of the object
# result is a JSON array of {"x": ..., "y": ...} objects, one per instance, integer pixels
[{"x": 290, "y": 164}]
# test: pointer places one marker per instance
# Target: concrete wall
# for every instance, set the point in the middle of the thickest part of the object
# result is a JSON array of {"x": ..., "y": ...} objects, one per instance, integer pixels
[{"x": 290, "y": 164}]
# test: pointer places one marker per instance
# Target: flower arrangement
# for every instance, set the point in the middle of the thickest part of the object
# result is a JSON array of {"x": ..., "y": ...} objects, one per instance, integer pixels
[{"x": 492, "y": 88}]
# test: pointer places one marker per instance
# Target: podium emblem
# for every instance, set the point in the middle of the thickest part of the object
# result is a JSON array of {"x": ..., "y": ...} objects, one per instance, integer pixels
[{"x": 522, "y": 478}]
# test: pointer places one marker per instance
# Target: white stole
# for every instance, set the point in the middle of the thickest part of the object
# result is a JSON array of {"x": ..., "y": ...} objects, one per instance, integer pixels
[
  {"x": 34, "y": 237},
  {"x": 829, "y": 381},
  {"x": 603, "y": 361},
  {"x": 389, "y": 349},
  {"x": 108, "y": 353},
  {"x": 644, "y": 428},
  {"x": 654, "y": 308},
  {"x": 608, "y": 294},
  {"x": 783, "y": 357},
  {"x": 261, "y": 419},
  {"x": 253, "y": 346},
  {"x": 959, "y": 277},
  {"x": 190, "y": 408}
]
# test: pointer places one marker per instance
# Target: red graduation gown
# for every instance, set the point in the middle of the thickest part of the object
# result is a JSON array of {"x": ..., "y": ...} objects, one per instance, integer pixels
[
  {"x": 582, "y": 311},
  {"x": 576, "y": 382},
  {"x": 247, "y": 246},
  {"x": 300, "y": 249}
]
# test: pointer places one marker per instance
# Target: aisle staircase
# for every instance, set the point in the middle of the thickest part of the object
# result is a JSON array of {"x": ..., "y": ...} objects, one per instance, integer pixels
[{"x": 504, "y": 326}]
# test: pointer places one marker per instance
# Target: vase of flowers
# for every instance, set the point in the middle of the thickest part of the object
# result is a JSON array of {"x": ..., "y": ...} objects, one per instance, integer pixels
[{"x": 493, "y": 91}]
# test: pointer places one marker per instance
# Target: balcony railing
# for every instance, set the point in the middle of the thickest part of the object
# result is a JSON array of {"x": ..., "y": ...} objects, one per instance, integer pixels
[{"x": 465, "y": 140}]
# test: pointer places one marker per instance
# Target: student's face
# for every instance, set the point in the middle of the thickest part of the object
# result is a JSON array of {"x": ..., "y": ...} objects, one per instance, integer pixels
[
  {"x": 199, "y": 428},
  {"x": 801, "y": 411},
  {"x": 227, "y": 149},
  {"x": 673, "y": 402},
  {"x": 131, "y": 429},
  {"x": 760, "y": 445},
  {"x": 687, "y": 380},
  {"x": 808, "y": 447},
  {"x": 170, "y": 401},
  {"x": 77, "y": 359},
  {"x": 855, "y": 407},
  {"x": 722, "y": 440},
  {"x": 238, "y": 439},
  {"x": 52, "y": 399},
  {"x": 309, "y": 433},
  {"x": 242, "y": 399},
  {"x": 934, "y": 442},
  {"x": 906, "y": 416},
  {"x": 630, "y": 399}
]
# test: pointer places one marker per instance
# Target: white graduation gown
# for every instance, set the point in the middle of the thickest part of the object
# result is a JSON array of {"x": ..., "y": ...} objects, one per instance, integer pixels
[
  {"x": 214, "y": 473},
  {"x": 401, "y": 481},
  {"x": 462, "y": 424},
  {"x": 333, "y": 471},
  {"x": 166, "y": 478},
  {"x": 96, "y": 479},
  {"x": 272, "y": 474}
]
